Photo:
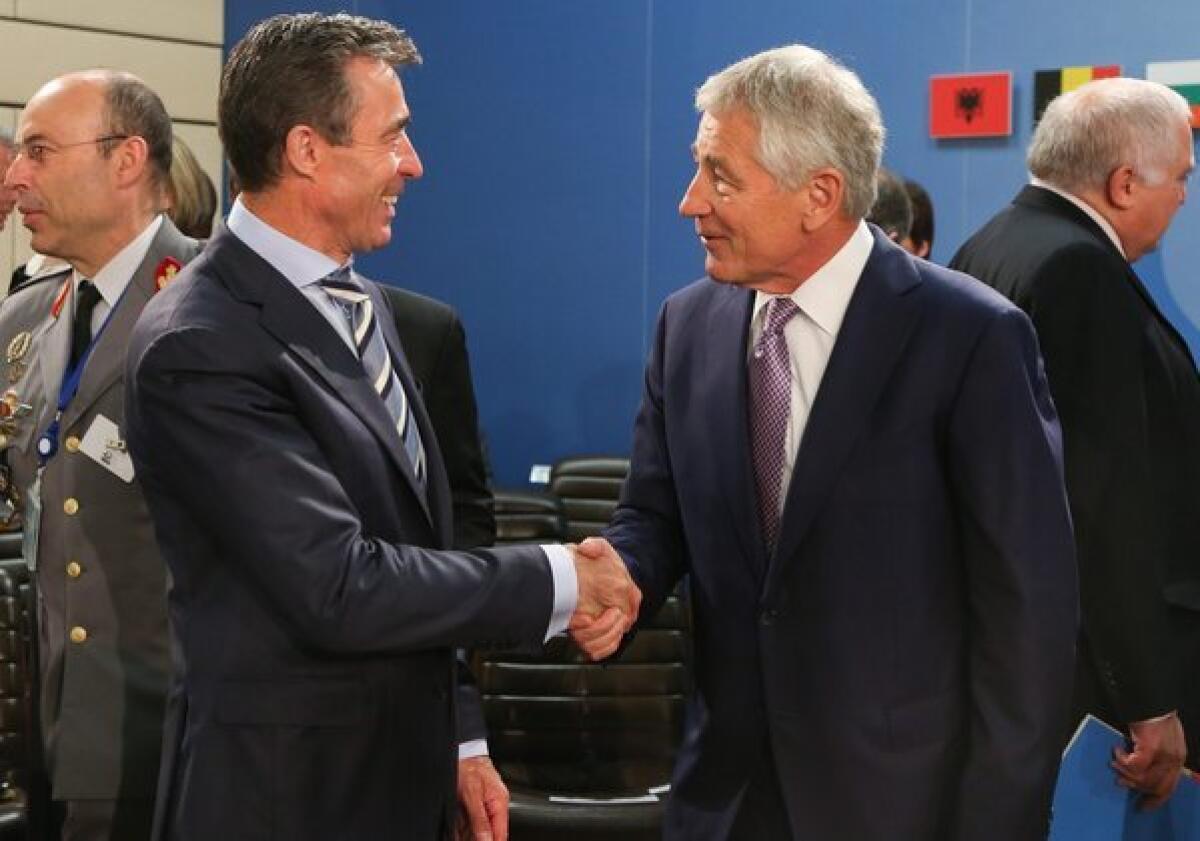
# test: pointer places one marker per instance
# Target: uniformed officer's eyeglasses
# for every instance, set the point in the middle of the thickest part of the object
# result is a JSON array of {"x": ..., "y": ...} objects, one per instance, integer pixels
[{"x": 38, "y": 150}]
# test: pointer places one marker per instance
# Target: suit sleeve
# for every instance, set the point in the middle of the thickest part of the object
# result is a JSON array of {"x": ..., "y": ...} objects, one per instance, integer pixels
[
  {"x": 1091, "y": 325},
  {"x": 222, "y": 442},
  {"x": 1005, "y": 463},
  {"x": 646, "y": 527},
  {"x": 450, "y": 401},
  {"x": 469, "y": 709}
]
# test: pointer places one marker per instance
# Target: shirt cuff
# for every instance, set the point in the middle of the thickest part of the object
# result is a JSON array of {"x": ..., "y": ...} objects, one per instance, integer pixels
[
  {"x": 473, "y": 748},
  {"x": 566, "y": 588}
]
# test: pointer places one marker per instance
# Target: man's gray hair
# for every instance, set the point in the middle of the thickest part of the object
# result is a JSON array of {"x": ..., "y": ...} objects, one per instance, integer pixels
[
  {"x": 1086, "y": 134},
  {"x": 811, "y": 113}
]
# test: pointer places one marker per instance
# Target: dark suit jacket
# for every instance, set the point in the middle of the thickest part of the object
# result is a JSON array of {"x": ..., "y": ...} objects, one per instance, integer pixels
[
  {"x": 436, "y": 348},
  {"x": 101, "y": 700},
  {"x": 312, "y": 604},
  {"x": 906, "y": 653},
  {"x": 1127, "y": 390}
]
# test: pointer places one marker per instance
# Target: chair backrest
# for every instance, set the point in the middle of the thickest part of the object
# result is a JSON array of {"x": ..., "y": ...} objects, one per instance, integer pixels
[
  {"x": 528, "y": 517},
  {"x": 18, "y": 741},
  {"x": 589, "y": 487},
  {"x": 559, "y": 723}
]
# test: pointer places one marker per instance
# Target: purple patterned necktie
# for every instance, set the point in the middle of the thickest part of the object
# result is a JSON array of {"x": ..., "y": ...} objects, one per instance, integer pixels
[{"x": 770, "y": 405}]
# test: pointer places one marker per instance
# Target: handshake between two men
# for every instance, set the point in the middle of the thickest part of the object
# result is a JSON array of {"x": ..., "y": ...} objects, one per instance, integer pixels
[{"x": 608, "y": 599}]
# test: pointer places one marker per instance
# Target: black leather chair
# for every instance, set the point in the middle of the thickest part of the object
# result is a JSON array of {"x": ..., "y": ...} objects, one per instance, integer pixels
[
  {"x": 561, "y": 726},
  {"x": 18, "y": 739},
  {"x": 589, "y": 487},
  {"x": 528, "y": 517}
]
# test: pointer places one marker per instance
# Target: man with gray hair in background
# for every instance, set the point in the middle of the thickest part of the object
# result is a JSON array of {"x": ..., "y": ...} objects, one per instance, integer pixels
[
  {"x": 1110, "y": 163},
  {"x": 853, "y": 457}
]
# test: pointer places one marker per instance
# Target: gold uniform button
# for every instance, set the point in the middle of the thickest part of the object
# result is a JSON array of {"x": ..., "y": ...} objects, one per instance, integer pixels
[
  {"x": 3, "y": 441},
  {"x": 74, "y": 570},
  {"x": 71, "y": 506},
  {"x": 72, "y": 444},
  {"x": 78, "y": 634}
]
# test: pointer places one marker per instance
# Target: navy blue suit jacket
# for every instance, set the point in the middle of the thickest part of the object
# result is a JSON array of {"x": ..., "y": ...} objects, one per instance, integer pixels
[
  {"x": 314, "y": 606},
  {"x": 907, "y": 651}
]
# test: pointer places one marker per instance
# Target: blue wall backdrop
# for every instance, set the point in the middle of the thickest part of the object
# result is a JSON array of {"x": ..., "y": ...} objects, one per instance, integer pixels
[{"x": 555, "y": 138}]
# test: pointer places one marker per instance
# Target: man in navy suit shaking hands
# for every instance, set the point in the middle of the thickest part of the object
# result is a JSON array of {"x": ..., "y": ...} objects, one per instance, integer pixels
[
  {"x": 853, "y": 456},
  {"x": 298, "y": 493}
]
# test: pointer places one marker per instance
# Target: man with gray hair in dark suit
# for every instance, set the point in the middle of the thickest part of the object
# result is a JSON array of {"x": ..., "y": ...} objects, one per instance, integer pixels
[{"x": 1110, "y": 163}]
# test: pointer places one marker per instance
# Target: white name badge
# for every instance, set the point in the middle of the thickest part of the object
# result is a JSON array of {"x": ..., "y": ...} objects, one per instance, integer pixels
[{"x": 103, "y": 444}]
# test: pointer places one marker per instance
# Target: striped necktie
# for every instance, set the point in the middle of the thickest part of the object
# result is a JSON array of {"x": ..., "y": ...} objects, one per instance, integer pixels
[{"x": 354, "y": 302}]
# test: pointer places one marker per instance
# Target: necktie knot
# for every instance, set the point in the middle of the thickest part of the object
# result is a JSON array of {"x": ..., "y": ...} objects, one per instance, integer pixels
[
  {"x": 343, "y": 285},
  {"x": 779, "y": 312}
]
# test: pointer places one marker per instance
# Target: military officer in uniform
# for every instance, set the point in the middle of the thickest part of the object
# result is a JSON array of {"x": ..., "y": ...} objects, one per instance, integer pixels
[{"x": 93, "y": 154}]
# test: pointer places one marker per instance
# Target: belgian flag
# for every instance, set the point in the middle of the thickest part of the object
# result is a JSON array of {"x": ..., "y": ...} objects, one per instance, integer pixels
[{"x": 1048, "y": 84}]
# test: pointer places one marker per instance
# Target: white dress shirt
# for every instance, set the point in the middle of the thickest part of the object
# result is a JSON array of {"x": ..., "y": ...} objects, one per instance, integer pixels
[
  {"x": 112, "y": 278},
  {"x": 812, "y": 332}
]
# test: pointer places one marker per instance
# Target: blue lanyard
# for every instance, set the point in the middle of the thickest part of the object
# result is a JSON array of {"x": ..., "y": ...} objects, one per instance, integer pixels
[{"x": 47, "y": 443}]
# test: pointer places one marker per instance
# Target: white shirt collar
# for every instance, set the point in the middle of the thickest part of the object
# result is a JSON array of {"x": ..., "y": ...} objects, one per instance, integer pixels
[
  {"x": 826, "y": 294},
  {"x": 1092, "y": 213},
  {"x": 301, "y": 265},
  {"x": 114, "y": 276}
]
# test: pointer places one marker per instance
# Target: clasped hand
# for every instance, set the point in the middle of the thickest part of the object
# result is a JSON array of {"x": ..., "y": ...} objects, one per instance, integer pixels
[
  {"x": 1156, "y": 761},
  {"x": 608, "y": 599}
]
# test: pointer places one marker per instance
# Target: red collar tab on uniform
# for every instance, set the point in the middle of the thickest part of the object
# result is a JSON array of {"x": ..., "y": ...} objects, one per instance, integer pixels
[
  {"x": 166, "y": 272},
  {"x": 61, "y": 301}
]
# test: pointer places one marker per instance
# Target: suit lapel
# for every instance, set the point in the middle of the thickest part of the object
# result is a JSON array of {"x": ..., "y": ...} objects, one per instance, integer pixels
[
  {"x": 1158, "y": 314},
  {"x": 295, "y": 322},
  {"x": 878, "y": 323},
  {"x": 735, "y": 459},
  {"x": 437, "y": 493},
  {"x": 53, "y": 345}
]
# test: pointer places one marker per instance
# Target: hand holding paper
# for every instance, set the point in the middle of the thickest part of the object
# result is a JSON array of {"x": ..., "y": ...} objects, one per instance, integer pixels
[{"x": 1154, "y": 764}]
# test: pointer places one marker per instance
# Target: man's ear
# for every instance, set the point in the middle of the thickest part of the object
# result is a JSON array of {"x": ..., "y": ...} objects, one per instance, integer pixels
[
  {"x": 824, "y": 192},
  {"x": 1121, "y": 187},
  {"x": 303, "y": 149},
  {"x": 131, "y": 157}
]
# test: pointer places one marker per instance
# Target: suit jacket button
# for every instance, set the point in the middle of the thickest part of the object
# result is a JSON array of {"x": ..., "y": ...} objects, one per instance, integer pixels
[
  {"x": 769, "y": 616},
  {"x": 78, "y": 634},
  {"x": 72, "y": 444},
  {"x": 74, "y": 570}
]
